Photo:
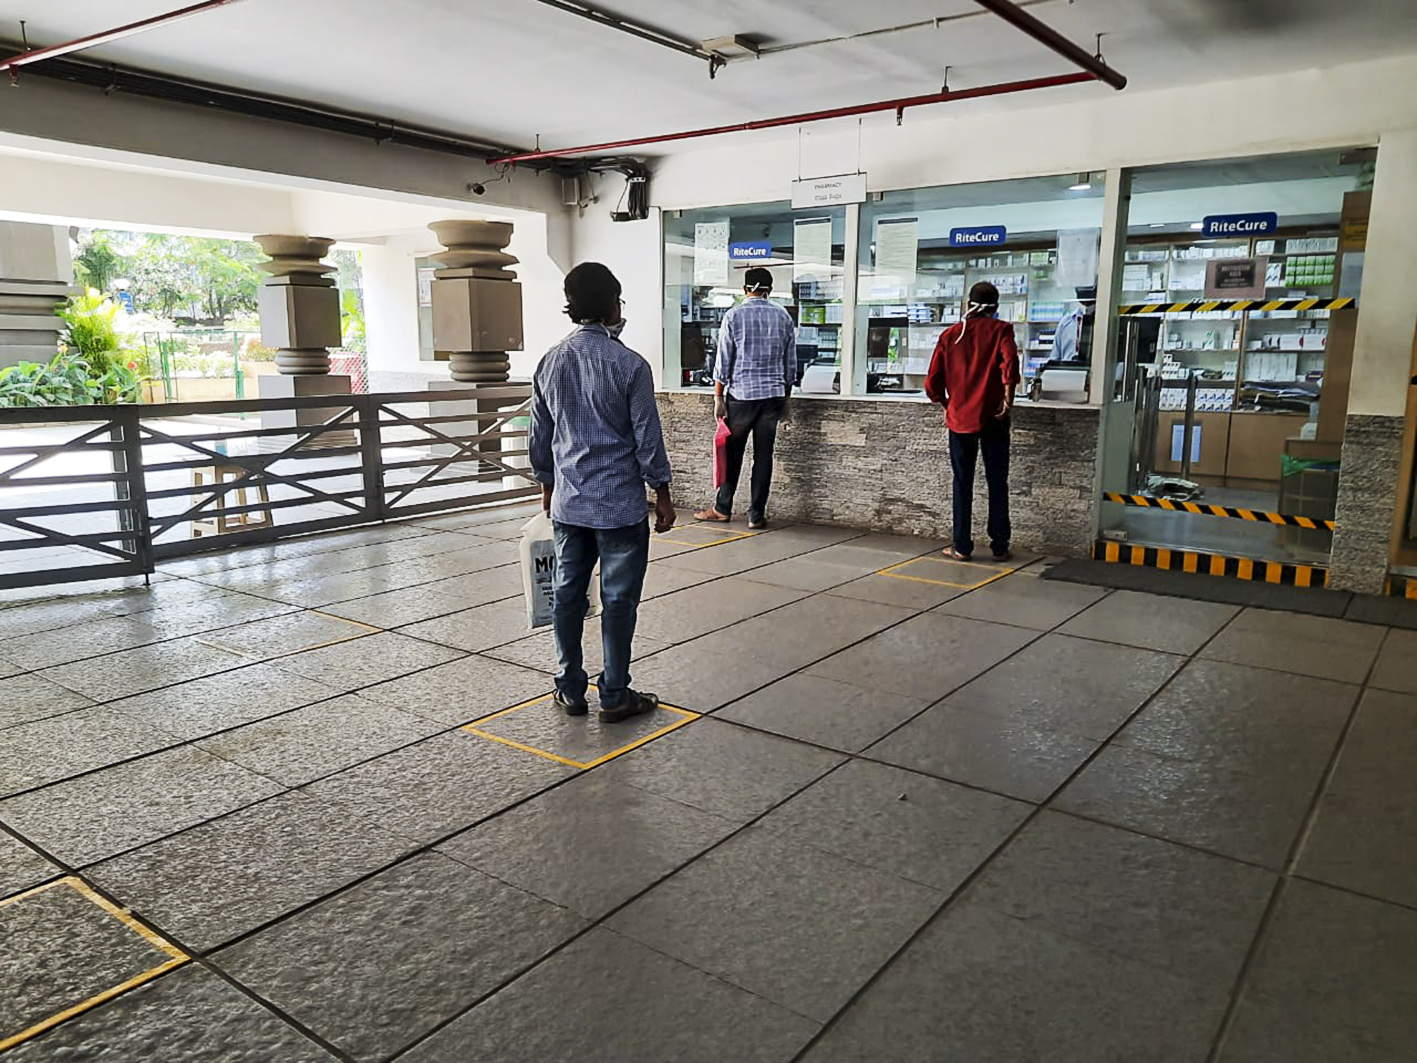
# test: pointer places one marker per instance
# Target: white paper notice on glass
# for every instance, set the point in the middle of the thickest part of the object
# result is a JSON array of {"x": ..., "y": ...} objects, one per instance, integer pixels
[
  {"x": 812, "y": 250},
  {"x": 1077, "y": 258},
  {"x": 1178, "y": 443},
  {"x": 897, "y": 253},
  {"x": 711, "y": 253},
  {"x": 425, "y": 286}
]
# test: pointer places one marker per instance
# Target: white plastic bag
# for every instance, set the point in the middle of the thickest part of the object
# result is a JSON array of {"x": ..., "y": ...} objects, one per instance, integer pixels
[{"x": 538, "y": 552}]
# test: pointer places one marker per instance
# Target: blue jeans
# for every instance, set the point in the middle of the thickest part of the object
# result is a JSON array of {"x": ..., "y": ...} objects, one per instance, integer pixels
[
  {"x": 965, "y": 451},
  {"x": 623, "y": 554}
]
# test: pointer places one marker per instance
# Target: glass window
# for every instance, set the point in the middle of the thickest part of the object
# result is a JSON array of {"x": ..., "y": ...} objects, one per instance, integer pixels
[
  {"x": 1036, "y": 239},
  {"x": 1234, "y": 349},
  {"x": 706, "y": 253}
]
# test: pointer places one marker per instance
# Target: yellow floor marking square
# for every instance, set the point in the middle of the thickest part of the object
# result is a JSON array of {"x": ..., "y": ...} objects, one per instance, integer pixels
[
  {"x": 897, "y": 572},
  {"x": 689, "y": 534},
  {"x": 545, "y": 724},
  {"x": 178, "y": 957}
]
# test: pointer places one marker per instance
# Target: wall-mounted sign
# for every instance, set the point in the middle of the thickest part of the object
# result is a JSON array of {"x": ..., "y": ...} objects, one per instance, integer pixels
[
  {"x": 979, "y": 236},
  {"x": 749, "y": 251},
  {"x": 1261, "y": 224},
  {"x": 711, "y": 252},
  {"x": 829, "y": 191},
  {"x": 1236, "y": 278}
]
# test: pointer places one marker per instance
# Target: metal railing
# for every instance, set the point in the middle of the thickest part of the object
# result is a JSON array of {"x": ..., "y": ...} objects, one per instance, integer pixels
[{"x": 104, "y": 491}]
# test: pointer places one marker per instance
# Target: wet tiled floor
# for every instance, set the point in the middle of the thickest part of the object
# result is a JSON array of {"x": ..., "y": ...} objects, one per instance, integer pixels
[{"x": 310, "y": 801}]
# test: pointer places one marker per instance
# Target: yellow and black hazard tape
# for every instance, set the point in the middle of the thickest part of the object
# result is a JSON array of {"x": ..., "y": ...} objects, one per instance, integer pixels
[
  {"x": 1206, "y": 306},
  {"x": 1402, "y": 587},
  {"x": 1211, "y": 564},
  {"x": 1202, "y": 509}
]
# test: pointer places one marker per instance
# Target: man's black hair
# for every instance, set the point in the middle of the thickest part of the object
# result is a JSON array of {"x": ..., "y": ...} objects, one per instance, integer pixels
[
  {"x": 592, "y": 294},
  {"x": 758, "y": 280}
]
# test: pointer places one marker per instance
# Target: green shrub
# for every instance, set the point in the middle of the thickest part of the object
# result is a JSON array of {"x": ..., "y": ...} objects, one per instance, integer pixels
[
  {"x": 92, "y": 331},
  {"x": 68, "y": 380}
]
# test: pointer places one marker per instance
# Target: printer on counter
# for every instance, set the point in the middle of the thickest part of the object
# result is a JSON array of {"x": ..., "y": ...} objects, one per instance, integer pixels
[{"x": 1061, "y": 381}]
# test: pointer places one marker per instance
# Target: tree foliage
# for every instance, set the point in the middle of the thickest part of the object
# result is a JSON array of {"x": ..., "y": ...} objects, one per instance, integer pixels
[{"x": 174, "y": 276}]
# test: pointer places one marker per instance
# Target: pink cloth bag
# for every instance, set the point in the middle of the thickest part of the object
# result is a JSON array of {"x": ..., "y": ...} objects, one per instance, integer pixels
[{"x": 720, "y": 453}]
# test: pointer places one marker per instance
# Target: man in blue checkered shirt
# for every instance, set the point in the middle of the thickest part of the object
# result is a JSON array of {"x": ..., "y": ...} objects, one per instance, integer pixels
[
  {"x": 754, "y": 371},
  {"x": 595, "y": 444}
]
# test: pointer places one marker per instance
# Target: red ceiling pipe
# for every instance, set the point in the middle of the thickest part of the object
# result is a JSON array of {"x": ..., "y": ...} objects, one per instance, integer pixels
[
  {"x": 38, "y": 55},
  {"x": 1045, "y": 34},
  {"x": 809, "y": 116}
]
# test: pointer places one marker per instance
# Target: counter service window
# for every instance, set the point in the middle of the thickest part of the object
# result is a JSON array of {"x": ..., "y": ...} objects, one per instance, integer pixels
[
  {"x": 1035, "y": 239},
  {"x": 707, "y": 252}
]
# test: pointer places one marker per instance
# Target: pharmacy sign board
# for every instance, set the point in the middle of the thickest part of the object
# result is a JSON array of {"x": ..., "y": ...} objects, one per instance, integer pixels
[
  {"x": 1261, "y": 224},
  {"x": 749, "y": 251},
  {"x": 979, "y": 236},
  {"x": 829, "y": 191}
]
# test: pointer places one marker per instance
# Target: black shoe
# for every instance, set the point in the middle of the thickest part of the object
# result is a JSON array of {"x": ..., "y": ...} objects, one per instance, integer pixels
[
  {"x": 1003, "y": 555},
  {"x": 757, "y": 523},
  {"x": 578, "y": 707},
  {"x": 635, "y": 704}
]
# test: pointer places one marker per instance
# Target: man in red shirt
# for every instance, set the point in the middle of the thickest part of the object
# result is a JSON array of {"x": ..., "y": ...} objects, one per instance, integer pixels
[{"x": 973, "y": 375}]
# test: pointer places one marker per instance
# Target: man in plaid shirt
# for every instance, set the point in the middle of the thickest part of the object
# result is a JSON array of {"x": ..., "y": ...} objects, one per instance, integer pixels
[{"x": 754, "y": 371}]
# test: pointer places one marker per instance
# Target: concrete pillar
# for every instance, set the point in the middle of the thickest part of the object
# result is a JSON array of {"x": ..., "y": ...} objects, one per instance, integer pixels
[
  {"x": 477, "y": 302},
  {"x": 299, "y": 304},
  {"x": 1382, "y": 370},
  {"x": 300, "y": 317},
  {"x": 36, "y": 275}
]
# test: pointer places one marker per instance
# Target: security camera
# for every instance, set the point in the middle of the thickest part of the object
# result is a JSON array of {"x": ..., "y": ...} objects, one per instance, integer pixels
[{"x": 477, "y": 189}]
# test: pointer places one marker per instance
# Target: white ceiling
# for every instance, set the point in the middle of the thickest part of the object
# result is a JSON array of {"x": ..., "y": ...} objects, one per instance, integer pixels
[{"x": 511, "y": 69}]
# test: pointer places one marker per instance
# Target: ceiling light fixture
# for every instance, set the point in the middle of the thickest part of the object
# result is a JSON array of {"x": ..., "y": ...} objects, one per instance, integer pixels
[{"x": 1083, "y": 183}]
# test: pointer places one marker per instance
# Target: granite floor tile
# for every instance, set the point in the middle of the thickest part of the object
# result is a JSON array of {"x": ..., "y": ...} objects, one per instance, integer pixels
[
  {"x": 1245, "y": 719},
  {"x": 807, "y": 574},
  {"x": 474, "y": 630},
  {"x": 824, "y": 712},
  {"x": 438, "y": 786},
  {"x": 1201, "y": 803},
  {"x": 661, "y": 580},
  {"x": 1025, "y": 600},
  {"x": 589, "y": 845},
  {"x": 687, "y": 614},
  {"x": 980, "y": 986},
  {"x": 202, "y": 707},
  {"x": 301, "y": 746},
  {"x": 61, "y": 747},
  {"x": 926, "y": 657},
  {"x": 86, "y": 819},
  {"x": 1073, "y": 686},
  {"x": 221, "y": 879},
  {"x": 573, "y": 1006},
  {"x": 62, "y": 950},
  {"x": 584, "y": 740},
  {"x": 1396, "y": 668},
  {"x": 1305, "y": 645},
  {"x": 914, "y": 827},
  {"x": 461, "y": 691},
  {"x": 720, "y": 768},
  {"x": 1142, "y": 899},
  {"x": 1368, "y": 814},
  {"x": 797, "y": 926},
  {"x": 209, "y": 613},
  {"x": 980, "y": 749},
  {"x": 364, "y": 662},
  {"x": 290, "y": 633},
  {"x": 21, "y": 867},
  {"x": 190, "y": 1014},
  {"x": 79, "y": 641},
  {"x": 411, "y": 604},
  {"x": 27, "y": 697},
  {"x": 1332, "y": 982},
  {"x": 162, "y": 664},
  {"x": 1151, "y": 622},
  {"x": 383, "y": 963},
  {"x": 890, "y": 590}
]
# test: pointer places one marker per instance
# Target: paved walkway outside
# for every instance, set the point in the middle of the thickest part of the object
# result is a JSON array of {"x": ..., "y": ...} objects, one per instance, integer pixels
[{"x": 1030, "y": 821}]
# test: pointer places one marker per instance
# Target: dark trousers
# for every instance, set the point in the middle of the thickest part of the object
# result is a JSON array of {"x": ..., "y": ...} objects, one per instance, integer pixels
[
  {"x": 757, "y": 418},
  {"x": 965, "y": 449},
  {"x": 623, "y": 554}
]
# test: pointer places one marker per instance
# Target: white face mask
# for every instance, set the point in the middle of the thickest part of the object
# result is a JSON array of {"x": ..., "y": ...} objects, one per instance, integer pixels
[{"x": 616, "y": 328}]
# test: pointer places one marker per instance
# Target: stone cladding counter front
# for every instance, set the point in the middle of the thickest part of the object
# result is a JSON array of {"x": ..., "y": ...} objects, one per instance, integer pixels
[{"x": 884, "y": 465}]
